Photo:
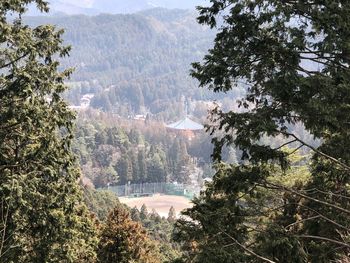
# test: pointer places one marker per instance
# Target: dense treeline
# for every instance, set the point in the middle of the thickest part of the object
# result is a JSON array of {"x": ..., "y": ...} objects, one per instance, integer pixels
[
  {"x": 139, "y": 153},
  {"x": 117, "y": 151}
]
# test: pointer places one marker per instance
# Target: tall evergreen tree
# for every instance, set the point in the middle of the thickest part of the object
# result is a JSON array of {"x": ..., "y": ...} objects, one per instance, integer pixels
[
  {"x": 141, "y": 159},
  {"x": 136, "y": 176},
  {"x": 135, "y": 214},
  {"x": 293, "y": 58},
  {"x": 124, "y": 241},
  {"x": 124, "y": 170},
  {"x": 155, "y": 169},
  {"x": 143, "y": 212},
  {"x": 42, "y": 218}
]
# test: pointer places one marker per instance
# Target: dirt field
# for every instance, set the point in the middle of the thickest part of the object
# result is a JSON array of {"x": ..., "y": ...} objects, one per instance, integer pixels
[{"x": 161, "y": 203}]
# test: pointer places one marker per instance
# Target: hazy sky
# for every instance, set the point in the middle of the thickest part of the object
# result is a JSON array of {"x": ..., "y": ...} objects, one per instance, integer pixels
[
  {"x": 172, "y": 3},
  {"x": 80, "y": 3},
  {"x": 93, "y": 7}
]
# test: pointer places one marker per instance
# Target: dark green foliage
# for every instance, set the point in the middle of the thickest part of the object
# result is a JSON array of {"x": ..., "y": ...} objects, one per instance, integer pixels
[
  {"x": 100, "y": 202},
  {"x": 234, "y": 211},
  {"x": 293, "y": 57},
  {"x": 216, "y": 217},
  {"x": 142, "y": 166},
  {"x": 124, "y": 169},
  {"x": 42, "y": 217},
  {"x": 156, "y": 169},
  {"x": 143, "y": 212},
  {"x": 135, "y": 214}
]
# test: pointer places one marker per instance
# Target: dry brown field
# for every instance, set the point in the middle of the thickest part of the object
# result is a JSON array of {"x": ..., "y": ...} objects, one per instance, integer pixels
[{"x": 160, "y": 203}]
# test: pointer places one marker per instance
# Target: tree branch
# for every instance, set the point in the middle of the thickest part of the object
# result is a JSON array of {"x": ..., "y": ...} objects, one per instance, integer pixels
[
  {"x": 247, "y": 249},
  {"x": 325, "y": 239},
  {"x": 281, "y": 187},
  {"x": 13, "y": 61},
  {"x": 316, "y": 150}
]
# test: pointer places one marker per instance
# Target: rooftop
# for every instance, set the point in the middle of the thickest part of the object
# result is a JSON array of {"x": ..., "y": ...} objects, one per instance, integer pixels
[{"x": 185, "y": 124}]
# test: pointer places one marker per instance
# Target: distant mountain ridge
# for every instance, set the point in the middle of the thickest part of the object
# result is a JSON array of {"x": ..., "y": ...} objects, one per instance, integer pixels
[
  {"x": 94, "y": 7},
  {"x": 133, "y": 61}
]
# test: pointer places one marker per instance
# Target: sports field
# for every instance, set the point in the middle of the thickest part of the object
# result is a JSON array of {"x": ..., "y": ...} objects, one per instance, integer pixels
[{"x": 161, "y": 203}]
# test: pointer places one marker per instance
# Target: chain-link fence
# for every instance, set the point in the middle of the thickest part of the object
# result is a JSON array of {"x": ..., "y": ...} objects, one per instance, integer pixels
[{"x": 149, "y": 189}]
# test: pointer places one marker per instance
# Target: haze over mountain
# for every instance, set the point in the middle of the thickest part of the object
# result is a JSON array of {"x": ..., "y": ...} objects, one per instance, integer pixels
[
  {"x": 94, "y": 7},
  {"x": 133, "y": 60}
]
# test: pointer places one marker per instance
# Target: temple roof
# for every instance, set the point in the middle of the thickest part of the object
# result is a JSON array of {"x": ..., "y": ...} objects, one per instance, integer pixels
[{"x": 185, "y": 124}]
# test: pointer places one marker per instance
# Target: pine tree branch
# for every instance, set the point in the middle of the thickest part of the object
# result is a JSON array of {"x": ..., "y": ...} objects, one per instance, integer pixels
[
  {"x": 4, "y": 222},
  {"x": 331, "y": 193},
  {"x": 247, "y": 249},
  {"x": 295, "y": 150},
  {"x": 14, "y": 61},
  {"x": 300, "y": 221},
  {"x": 281, "y": 187},
  {"x": 285, "y": 144},
  {"x": 316, "y": 150},
  {"x": 324, "y": 239},
  {"x": 319, "y": 215}
]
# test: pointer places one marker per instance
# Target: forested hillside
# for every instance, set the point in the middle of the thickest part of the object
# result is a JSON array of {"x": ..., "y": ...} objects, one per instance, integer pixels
[
  {"x": 139, "y": 61},
  {"x": 112, "y": 152}
]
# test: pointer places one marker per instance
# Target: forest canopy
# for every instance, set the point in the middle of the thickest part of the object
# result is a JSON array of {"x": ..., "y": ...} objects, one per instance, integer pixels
[{"x": 135, "y": 63}]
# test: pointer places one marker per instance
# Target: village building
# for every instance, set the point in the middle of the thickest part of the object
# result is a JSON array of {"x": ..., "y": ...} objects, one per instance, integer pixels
[{"x": 185, "y": 127}]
